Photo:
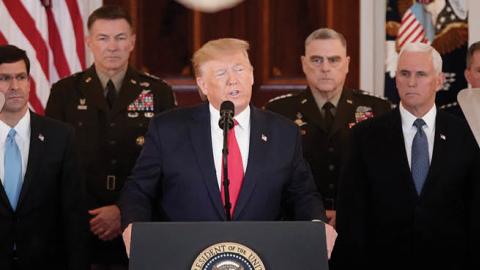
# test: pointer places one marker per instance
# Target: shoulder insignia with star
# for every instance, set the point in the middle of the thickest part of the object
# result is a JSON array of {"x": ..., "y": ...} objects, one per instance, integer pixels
[
  {"x": 449, "y": 105},
  {"x": 366, "y": 93},
  {"x": 280, "y": 97}
]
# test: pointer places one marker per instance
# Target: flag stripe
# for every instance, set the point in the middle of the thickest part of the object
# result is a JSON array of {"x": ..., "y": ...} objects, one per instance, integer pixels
[
  {"x": 78, "y": 30},
  {"x": 407, "y": 16},
  {"x": 33, "y": 99},
  {"x": 27, "y": 25},
  {"x": 53, "y": 38},
  {"x": 418, "y": 29},
  {"x": 55, "y": 43},
  {"x": 3, "y": 40},
  {"x": 408, "y": 23}
]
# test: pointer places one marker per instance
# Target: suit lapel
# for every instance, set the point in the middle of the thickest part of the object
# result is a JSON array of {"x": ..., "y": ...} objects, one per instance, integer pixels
[
  {"x": 398, "y": 143},
  {"x": 92, "y": 89},
  {"x": 439, "y": 151},
  {"x": 200, "y": 135},
  {"x": 34, "y": 156},
  {"x": 259, "y": 134},
  {"x": 128, "y": 93},
  {"x": 345, "y": 110},
  {"x": 4, "y": 198}
]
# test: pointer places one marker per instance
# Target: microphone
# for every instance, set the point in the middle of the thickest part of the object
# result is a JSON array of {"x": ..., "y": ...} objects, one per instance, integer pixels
[{"x": 227, "y": 111}]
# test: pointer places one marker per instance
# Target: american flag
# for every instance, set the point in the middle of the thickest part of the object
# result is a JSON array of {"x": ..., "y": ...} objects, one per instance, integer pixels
[
  {"x": 52, "y": 33},
  {"x": 416, "y": 25}
]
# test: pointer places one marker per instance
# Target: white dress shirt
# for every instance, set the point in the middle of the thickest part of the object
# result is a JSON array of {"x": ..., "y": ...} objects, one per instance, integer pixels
[
  {"x": 22, "y": 138},
  {"x": 409, "y": 130},
  {"x": 242, "y": 133}
]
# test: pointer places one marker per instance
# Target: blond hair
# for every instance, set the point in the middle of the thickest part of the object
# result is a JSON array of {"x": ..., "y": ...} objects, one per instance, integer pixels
[{"x": 210, "y": 51}]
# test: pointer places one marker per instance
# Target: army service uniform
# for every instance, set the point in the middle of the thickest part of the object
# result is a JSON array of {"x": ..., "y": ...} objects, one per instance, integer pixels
[
  {"x": 322, "y": 149},
  {"x": 108, "y": 140}
]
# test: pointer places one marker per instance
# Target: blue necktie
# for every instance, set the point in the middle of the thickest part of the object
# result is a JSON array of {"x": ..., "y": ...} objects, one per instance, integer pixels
[
  {"x": 13, "y": 169},
  {"x": 420, "y": 157}
]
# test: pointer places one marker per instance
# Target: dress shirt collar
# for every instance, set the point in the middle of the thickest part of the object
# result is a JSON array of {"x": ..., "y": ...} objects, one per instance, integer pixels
[
  {"x": 321, "y": 100},
  {"x": 408, "y": 118},
  {"x": 117, "y": 79},
  {"x": 22, "y": 128},
  {"x": 242, "y": 118}
]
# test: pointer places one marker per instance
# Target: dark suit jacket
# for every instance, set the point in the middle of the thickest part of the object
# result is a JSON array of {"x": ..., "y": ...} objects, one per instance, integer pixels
[
  {"x": 50, "y": 224},
  {"x": 383, "y": 223},
  {"x": 175, "y": 172},
  {"x": 324, "y": 149}
]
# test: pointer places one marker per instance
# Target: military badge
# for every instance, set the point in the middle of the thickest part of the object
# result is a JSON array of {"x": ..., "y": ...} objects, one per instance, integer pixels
[
  {"x": 299, "y": 121},
  {"x": 140, "y": 140},
  {"x": 132, "y": 114},
  {"x": 363, "y": 113},
  {"x": 81, "y": 106},
  {"x": 142, "y": 104}
]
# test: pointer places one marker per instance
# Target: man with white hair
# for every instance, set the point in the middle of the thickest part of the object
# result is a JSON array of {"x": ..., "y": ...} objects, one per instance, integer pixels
[{"x": 406, "y": 200}]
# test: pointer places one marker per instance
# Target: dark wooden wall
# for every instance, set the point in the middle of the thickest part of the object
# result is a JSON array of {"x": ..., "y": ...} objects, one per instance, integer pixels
[{"x": 168, "y": 34}]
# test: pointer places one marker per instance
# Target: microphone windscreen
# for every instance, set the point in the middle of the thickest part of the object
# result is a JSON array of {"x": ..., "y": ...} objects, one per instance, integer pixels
[{"x": 227, "y": 105}]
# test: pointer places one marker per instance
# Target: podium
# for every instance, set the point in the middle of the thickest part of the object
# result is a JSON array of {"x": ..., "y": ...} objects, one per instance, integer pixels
[{"x": 246, "y": 245}]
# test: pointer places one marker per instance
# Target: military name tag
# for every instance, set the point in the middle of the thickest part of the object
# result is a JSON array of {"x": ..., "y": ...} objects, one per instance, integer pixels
[
  {"x": 132, "y": 114},
  {"x": 149, "y": 114}
]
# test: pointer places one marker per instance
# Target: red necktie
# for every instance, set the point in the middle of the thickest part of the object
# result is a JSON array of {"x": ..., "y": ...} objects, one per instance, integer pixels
[{"x": 235, "y": 169}]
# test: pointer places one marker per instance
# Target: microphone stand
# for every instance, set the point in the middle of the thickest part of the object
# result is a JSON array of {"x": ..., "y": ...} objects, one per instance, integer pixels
[{"x": 226, "y": 180}]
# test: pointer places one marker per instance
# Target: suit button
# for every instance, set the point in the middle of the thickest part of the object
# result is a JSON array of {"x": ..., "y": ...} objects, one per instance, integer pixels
[
  {"x": 331, "y": 186},
  {"x": 112, "y": 124},
  {"x": 80, "y": 124},
  {"x": 331, "y": 167},
  {"x": 112, "y": 142},
  {"x": 113, "y": 161},
  {"x": 331, "y": 149}
]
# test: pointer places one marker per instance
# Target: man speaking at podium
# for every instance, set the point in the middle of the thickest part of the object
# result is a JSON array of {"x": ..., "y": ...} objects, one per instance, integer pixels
[{"x": 178, "y": 175}]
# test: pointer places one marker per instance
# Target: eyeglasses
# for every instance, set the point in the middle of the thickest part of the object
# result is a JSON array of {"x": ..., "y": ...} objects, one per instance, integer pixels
[
  {"x": 6, "y": 79},
  {"x": 333, "y": 61}
]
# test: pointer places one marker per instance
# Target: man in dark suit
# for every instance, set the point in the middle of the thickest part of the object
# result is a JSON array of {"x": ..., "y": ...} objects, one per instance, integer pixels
[
  {"x": 409, "y": 194},
  {"x": 179, "y": 171},
  {"x": 110, "y": 105},
  {"x": 43, "y": 222},
  {"x": 325, "y": 130},
  {"x": 472, "y": 74}
]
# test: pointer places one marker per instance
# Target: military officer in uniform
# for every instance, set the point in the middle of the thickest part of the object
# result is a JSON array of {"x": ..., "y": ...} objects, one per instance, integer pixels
[
  {"x": 110, "y": 105},
  {"x": 326, "y": 111},
  {"x": 472, "y": 74}
]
